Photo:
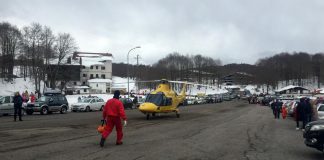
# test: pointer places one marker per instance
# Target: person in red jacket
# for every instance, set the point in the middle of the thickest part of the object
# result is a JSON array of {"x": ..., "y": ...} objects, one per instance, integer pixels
[
  {"x": 113, "y": 112},
  {"x": 32, "y": 98}
]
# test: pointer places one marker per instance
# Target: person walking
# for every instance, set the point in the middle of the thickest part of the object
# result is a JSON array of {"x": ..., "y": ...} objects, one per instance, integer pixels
[
  {"x": 284, "y": 112},
  {"x": 273, "y": 107},
  {"x": 112, "y": 113},
  {"x": 278, "y": 108},
  {"x": 17, "y": 100},
  {"x": 299, "y": 112},
  {"x": 314, "y": 110},
  {"x": 135, "y": 101},
  {"x": 307, "y": 112}
]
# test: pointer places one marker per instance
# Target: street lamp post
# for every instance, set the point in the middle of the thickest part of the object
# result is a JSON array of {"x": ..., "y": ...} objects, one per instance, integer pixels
[{"x": 128, "y": 69}]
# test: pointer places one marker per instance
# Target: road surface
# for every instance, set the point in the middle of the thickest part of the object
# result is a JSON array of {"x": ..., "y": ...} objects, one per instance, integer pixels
[{"x": 224, "y": 131}]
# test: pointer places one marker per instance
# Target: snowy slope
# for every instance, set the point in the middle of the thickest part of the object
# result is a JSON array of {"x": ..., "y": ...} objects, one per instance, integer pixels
[{"x": 18, "y": 84}]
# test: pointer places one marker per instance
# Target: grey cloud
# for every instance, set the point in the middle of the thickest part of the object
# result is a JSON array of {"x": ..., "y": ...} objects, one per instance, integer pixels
[{"x": 232, "y": 30}]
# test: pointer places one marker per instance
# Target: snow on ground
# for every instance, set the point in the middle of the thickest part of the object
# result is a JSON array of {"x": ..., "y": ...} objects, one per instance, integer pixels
[
  {"x": 201, "y": 89},
  {"x": 17, "y": 85},
  {"x": 119, "y": 82}
]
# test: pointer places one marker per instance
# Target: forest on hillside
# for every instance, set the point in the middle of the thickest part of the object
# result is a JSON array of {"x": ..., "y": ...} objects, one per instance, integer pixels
[
  {"x": 284, "y": 66},
  {"x": 32, "y": 48}
]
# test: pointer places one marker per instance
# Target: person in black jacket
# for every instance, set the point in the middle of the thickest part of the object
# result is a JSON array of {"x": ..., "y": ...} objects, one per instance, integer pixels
[
  {"x": 307, "y": 112},
  {"x": 17, "y": 100},
  {"x": 299, "y": 112}
]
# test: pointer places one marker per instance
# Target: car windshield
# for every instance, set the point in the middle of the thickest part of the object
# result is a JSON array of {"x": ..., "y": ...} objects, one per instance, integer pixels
[
  {"x": 86, "y": 100},
  {"x": 157, "y": 99},
  {"x": 42, "y": 99}
]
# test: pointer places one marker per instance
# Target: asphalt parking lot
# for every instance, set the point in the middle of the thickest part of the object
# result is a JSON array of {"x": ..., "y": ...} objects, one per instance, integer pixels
[{"x": 229, "y": 131}]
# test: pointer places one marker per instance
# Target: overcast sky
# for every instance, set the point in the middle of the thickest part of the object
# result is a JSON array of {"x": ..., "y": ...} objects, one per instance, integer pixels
[{"x": 235, "y": 31}]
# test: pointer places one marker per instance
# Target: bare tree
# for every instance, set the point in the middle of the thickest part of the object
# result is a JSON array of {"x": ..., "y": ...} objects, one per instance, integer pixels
[
  {"x": 9, "y": 41},
  {"x": 64, "y": 46}
]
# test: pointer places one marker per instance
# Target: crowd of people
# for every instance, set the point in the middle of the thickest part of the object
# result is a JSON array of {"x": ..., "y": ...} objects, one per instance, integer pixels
[
  {"x": 304, "y": 112},
  {"x": 21, "y": 100}
]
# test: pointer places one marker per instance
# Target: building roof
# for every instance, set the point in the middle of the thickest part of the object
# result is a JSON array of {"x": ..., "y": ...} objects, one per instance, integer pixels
[
  {"x": 89, "y": 54},
  {"x": 99, "y": 80},
  {"x": 291, "y": 87},
  {"x": 90, "y": 59}
]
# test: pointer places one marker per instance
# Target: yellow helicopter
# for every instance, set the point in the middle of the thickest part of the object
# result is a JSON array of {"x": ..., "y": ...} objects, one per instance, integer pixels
[{"x": 163, "y": 100}]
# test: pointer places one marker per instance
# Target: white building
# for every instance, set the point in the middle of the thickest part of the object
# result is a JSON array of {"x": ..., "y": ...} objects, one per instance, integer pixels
[
  {"x": 95, "y": 66},
  {"x": 100, "y": 85},
  {"x": 78, "y": 89}
]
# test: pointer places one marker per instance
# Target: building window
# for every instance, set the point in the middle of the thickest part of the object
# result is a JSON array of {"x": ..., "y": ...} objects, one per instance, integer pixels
[
  {"x": 96, "y": 67},
  {"x": 97, "y": 76},
  {"x": 84, "y": 75},
  {"x": 103, "y": 76},
  {"x": 75, "y": 83},
  {"x": 91, "y": 76},
  {"x": 97, "y": 84},
  {"x": 84, "y": 83},
  {"x": 91, "y": 67},
  {"x": 103, "y": 68},
  {"x": 84, "y": 90},
  {"x": 83, "y": 67}
]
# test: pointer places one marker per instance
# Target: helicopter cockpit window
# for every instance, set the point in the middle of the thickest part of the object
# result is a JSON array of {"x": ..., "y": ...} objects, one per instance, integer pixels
[{"x": 158, "y": 99}]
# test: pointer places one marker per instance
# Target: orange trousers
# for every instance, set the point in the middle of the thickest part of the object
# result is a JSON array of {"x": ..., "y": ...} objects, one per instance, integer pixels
[{"x": 111, "y": 123}]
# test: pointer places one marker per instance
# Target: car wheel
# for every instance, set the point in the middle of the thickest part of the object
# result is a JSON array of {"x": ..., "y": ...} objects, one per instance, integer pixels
[
  {"x": 87, "y": 109},
  {"x": 63, "y": 110},
  {"x": 44, "y": 110},
  {"x": 29, "y": 112}
]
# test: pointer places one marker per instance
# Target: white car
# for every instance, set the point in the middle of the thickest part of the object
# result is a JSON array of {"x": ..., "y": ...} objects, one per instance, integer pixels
[
  {"x": 89, "y": 104},
  {"x": 320, "y": 110}
]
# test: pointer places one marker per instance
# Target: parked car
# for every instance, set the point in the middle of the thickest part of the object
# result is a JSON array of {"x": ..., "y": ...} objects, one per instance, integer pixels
[
  {"x": 209, "y": 99},
  {"x": 191, "y": 101},
  {"x": 201, "y": 101},
  {"x": 266, "y": 100},
  {"x": 89, "y": 104},
  {"x": 7, "y": 106},
  {"x": 291, "y": 106},
  {"x": 259, "y": 99},
  {"x": 127, "y": 102},
  {"x": 320, "y": 110},
  {"x": 139, "y": 102},
  {"x": 226, "y": 97},
  {"x": 48, "y": 103},
  {"x": 184, "y": 103},
  {"x": 314, "y": 135},
  {"x": 218, "y": 98}
]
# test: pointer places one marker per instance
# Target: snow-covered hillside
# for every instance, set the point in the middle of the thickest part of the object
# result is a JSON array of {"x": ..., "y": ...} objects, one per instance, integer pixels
[{"x": 17, "y": 85}]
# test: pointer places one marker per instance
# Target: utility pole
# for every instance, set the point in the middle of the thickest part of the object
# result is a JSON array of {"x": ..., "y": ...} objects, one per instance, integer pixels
[
  {"x": 137, "y": 58},
  {"x": 137, "y": 63},
  {"x": 137, "y": 74}
]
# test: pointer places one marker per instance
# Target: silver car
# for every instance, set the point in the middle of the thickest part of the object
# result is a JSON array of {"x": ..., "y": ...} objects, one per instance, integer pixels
[
  {"x": 320, "y": 110},
  {"x": 7, "y": 106},
  {"x": 89, "y": 104}
]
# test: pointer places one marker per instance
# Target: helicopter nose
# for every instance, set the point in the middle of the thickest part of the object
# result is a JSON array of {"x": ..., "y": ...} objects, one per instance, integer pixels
[{"x": 147, "y": 107}]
